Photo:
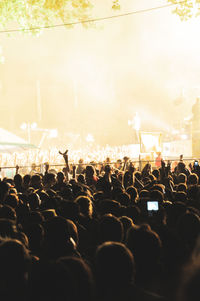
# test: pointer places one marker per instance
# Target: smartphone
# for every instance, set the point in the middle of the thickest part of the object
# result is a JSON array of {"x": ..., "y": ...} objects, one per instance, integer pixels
[
  {"x": 152, "y": 206},
  {"x": 196, "y": 163}
]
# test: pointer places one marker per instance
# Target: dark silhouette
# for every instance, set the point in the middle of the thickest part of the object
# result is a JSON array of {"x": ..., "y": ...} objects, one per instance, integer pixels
[{"x": 71, "y": 226}]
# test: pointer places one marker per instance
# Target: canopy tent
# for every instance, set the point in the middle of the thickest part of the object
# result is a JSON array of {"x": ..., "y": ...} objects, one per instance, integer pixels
[{"x": 10, "y": 143}]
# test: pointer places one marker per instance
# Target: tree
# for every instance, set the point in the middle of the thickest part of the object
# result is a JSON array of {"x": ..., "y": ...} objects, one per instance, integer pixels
[
  {"x": 40, "y": 13},
  {"x": 26, "y": 14},
  {"x": 186, "y": 8}
]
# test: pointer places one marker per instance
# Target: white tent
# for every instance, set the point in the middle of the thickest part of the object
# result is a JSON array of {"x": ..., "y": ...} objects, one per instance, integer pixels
[{"x": 10, "y": 142}]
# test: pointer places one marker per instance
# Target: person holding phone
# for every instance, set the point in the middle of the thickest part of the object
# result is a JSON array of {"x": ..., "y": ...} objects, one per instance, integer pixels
[{"x": 152, "y": 207}]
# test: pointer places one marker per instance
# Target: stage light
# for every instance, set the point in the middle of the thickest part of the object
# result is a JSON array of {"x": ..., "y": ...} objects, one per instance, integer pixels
[
  {"x": 184, "y": 137},
  {"x": 33, "y": 126},
  {"x": 53, "y": 133},
  {"x": 135, "y": 122},
  {"x": 175, "y": 132},
  {"x": 23, "y": 126},
  {"x": 89, "y": 138}
]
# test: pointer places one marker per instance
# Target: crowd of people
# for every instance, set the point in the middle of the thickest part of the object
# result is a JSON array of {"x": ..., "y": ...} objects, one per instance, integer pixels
[
  {"x": 88, "y": 154},
  {"x": 108, "y": 232},
  {"x": 95, "y": 153}
]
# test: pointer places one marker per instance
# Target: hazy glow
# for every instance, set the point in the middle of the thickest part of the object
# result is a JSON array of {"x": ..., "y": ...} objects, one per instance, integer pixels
[
  {"x": 33, "y": 125},
  {"x": 151, "y": 142},
  {"x": 81, "y": 81},
  {"x": 184, "y": 137},
  {"x": 89, "y": 138},
  {"x": 91, "y": 77},
  {"x": 53, "y": 133},
  {"x": 23, "y": 126},
  {"x": 135, "y": 122}
]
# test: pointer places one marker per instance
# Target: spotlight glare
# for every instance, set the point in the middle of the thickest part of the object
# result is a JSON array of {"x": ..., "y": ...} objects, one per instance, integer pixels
[
  {"x": 184, "y": 136},
  {"x": 23, "y": 126},
  {"x": 89, "y": 138}
]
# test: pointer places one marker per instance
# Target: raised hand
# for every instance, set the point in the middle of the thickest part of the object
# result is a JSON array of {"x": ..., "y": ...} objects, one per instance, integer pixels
[
  {"x": 74, "y": 171},
  {"x": 66, "y": 169},
  {"x": 63, "y": 154},
  {"x": 163, "y": 163},
  {"x": 17, "y": 169},
  {"x": 46, "y": 164},
  {"x": 131, "y": 167}
]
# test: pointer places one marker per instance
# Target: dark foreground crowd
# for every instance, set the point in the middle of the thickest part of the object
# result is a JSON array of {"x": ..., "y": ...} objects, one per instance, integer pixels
[{"x": 90, "y": 235}]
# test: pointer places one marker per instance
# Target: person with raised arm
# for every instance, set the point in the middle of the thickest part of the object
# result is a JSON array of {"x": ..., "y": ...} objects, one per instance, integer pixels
[{"x": 66, "y": 168}]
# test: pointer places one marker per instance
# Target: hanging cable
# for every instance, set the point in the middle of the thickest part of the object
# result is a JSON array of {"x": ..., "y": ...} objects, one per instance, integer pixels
[{"x": 95, "y": 19}]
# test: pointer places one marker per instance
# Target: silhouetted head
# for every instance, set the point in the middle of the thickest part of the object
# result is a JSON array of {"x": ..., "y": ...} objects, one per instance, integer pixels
[
  {"x": 182, "y": 178},
  {"x": 107, "y": 206},
  {"x": 114, "y": 266},
  {"x": 69, "y": 210},
  {"x": 76, "y": 279},
  {"x": 18, "y": 180},
  {"x": 134, "y": 213},
  {"x": 68, "y": 278},
  {"x": 110, "y": 228},
  {"x": 60, "y": 176},
  {"x": 57, "y": 230},
  {"x": 8, "y": 212},
  {"x": 12, "y": 200},
  {"x": 181, "y": 187},
  {"x": 89, "y": 171},
  {"x": 34, "y": 201},
  {"x": 144, "y": 194},
  {"x": 193, "y": 192},
  {"x": 145, "y": 245},
  {"x": 156, "y": 173},
  {"x": 14, "y": 262},
  {"x": 36, "y": 181},
  {"x": 35, "y": 234},
  {"x": 85, "y": 205},
  {"x": 81, "y": 179},
  {"x": 127, "y": 223},
  {"x": 123, "y": 199},
  {"x": 180, "y": 196},
  {"x": 132, "y": 191},
  {"x": 49, "y": 179},
  {"x": 193, "y": 179},
  {"x": 26, "y": 180},
  {"x": 58, "y": 241},
  {"x": 181, "y": 167},
  {"x": 156, "y": 195},
  {"x": 188, "y": 229},
  {"x": 4, "y": 188},
  {"x": 7, "y": 228},
  {"x": 107, "y": 169}
]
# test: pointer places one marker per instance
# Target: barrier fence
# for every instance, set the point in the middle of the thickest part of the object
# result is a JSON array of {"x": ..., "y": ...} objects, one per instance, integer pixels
[{"x": 10, "y": 171}]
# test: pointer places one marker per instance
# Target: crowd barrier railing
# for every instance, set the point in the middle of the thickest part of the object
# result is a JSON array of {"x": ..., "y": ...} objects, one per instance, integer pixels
[{"x": 10, "y": 171}]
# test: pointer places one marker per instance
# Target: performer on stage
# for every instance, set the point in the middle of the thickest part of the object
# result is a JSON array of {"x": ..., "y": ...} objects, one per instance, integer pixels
[{"x": 158, "y": 160}]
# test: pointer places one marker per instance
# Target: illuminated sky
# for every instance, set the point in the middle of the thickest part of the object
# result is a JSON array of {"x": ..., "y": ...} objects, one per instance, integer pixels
[{"x": 94, "y": 80}]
